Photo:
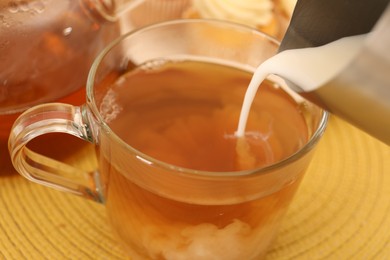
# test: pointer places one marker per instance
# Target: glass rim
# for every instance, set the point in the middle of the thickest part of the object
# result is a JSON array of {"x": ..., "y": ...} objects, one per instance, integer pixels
[{"x": 315, "y": 137}]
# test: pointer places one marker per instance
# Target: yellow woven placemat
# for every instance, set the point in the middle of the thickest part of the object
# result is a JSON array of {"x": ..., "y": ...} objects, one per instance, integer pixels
[{"x": 341, "y": 211}]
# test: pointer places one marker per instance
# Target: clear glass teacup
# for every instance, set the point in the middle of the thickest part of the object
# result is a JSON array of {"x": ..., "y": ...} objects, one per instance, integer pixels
[{"x": 162, "y": 109}]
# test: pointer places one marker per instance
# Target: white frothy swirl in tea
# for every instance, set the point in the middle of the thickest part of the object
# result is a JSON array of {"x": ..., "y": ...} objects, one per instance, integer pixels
[{"x": 109, "y": 108}]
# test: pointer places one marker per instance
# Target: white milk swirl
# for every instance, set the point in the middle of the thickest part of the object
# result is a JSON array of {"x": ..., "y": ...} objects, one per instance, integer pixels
[{"x": 308, "y": 68}]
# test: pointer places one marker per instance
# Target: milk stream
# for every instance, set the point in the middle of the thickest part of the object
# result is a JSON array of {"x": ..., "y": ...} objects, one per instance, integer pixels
[{"x": 308, "y": 68}]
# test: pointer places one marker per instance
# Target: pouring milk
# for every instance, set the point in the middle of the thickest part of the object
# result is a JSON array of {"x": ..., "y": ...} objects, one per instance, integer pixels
[{"x": 309, "y": 68}]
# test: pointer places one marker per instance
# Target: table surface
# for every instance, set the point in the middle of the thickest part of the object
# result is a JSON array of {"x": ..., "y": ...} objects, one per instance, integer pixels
[{"x": 341, "y": 211}]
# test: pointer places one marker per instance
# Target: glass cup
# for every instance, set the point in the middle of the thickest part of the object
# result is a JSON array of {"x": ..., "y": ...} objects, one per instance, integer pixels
[{"x": 160, "y": 209}]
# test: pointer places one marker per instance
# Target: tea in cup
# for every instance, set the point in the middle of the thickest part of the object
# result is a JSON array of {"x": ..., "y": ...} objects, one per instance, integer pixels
[{"x": 162, "y": 110}]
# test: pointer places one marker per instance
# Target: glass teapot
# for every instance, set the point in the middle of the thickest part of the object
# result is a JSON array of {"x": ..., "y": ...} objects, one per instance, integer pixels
[{"x": 46, "y": 47}]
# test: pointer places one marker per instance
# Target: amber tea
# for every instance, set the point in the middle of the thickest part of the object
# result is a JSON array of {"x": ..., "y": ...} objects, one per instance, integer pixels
[{"x": 185, "y": 113}]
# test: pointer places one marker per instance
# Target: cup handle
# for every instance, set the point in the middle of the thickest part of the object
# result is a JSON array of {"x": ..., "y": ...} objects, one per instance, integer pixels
[{"x": 54, "y": 118}]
